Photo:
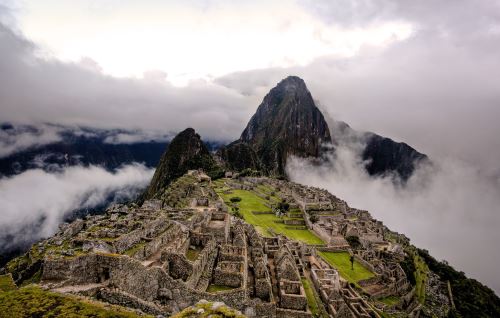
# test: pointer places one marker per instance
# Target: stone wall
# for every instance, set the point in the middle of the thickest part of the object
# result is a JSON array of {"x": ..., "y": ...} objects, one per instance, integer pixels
[
  {"x": 204, "y": 262},
  {"x": 128, "y": 240},
  {"x": 229, "y": 274},
  {"x": 292, "y": 295},
  {"x": 178, "y": 266}
]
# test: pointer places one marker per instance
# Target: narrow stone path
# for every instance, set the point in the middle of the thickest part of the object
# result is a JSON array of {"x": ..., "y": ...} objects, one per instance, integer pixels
[{"x": 77, "y": 288}]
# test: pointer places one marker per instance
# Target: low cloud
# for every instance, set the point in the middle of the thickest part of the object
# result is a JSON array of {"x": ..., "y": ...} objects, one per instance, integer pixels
[
  {"x": 130, "y": 137},
  {"x": 18, "y": 138},
  {"x": 449, "y": 208},
  {"x": 35, "y": 202}
]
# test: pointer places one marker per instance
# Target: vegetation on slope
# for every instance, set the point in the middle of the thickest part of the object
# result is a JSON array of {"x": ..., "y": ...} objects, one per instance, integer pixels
[
  {"x": 472, "y": 299},
  {"x": 420, "y": 274},
  {"x": 6, "y": 283},
  {"x": 32, "y": 301}
]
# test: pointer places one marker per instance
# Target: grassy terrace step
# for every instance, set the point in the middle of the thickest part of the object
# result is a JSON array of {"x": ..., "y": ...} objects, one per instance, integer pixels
[
  {"x": 341, "y": 261},
  {"x": 32, "y": 301},
  {"x": 313, "y": 301},
  {"x": 389, "y": 300},
  {"x": 252, "y": 202},
  {"x": 192, "y": 255},
  {"x": 217, "y": 288},
  {"x": 134, "y": 249}
]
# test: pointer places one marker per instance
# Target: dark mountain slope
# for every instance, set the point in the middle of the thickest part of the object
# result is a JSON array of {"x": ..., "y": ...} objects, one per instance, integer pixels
[
  {"x": 286, "y": 123},
  {"x": 384, "y": 155},
  {"x": 238, "y": 156},
  {"x": 185, "y": 152}
]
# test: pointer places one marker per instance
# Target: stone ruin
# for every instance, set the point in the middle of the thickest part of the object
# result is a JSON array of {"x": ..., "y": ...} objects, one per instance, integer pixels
[{"x": 183, "y": 246}]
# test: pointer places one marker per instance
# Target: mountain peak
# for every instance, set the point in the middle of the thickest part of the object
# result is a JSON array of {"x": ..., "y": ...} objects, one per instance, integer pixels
[
  {"x": 287, "y": 122},
  {"x": 292, "y": 84},
  {"x": 185, "y": 152}
]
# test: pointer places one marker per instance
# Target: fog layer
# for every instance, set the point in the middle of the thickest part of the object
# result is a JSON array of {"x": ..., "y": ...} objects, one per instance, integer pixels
[{"x": 35, "y": 202}]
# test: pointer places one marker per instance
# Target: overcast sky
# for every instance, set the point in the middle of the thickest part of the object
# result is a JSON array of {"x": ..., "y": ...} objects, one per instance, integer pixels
[{"x": 424, "y": 72}]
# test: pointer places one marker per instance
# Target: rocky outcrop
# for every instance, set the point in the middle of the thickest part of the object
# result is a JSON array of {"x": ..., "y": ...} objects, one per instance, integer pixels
[
  {"x": 286, "y": 123},
  {"x": 185, "y": 152}
]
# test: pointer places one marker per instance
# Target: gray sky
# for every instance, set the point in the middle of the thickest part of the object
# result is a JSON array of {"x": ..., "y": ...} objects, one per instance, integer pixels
[{"x": 423, "y": 72}]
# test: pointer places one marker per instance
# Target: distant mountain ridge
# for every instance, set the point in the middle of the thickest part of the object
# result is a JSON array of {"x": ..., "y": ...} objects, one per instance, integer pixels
[{"x": 85, "y": 147}]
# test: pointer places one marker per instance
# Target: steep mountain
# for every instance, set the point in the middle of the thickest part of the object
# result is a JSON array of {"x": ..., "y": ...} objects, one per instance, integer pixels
[
  {"x": 185, "y": 152},
  {"x": 286, "y": 123}
]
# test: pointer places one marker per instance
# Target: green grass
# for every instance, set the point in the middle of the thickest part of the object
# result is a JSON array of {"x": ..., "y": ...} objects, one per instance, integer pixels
[
  {"x": 192, "y": 255},
  {"x": 252, "y": 202},
  {"x": 341, "y": 261},
  {"x": 389, "y": 300},
  {"x": 312, "y": 302},
  {"x": 32, "y": 301},
  {"x": 421, "y": 271},
  {"x": 217, "y": 288},
  {"x": 267, "y": 190},
  {"x": 6, "y": 283},
  {"x": 131, "y": 251}
]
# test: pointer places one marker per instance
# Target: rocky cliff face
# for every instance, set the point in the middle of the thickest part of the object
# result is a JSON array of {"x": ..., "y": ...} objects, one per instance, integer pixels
[
  {"x": 185, "y": 152},
  {"x": 287, "y": 122}
]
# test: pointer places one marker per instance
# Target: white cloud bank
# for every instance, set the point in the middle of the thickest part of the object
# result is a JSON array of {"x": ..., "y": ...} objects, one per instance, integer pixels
[
  {"x": 36, "y": 197},
  {"x": 20, "y": 138},
  {"x": 449, "y": 209}
]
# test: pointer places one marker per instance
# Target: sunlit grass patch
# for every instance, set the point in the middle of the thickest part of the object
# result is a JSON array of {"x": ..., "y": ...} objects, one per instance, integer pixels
[
  {"x": 341, "y": 261},
  {"x": 251, "y": 202}
]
